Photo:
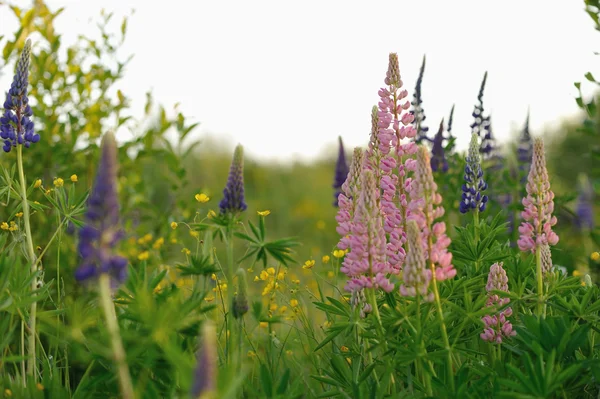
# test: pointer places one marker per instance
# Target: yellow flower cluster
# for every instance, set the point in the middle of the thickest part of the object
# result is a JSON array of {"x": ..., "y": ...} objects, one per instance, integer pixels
[
  {"x": 58, "y": 182},
  {"x": 271, "y": 276},
  {"x": 145, "y": 239},
  {"x": 309, "y": 264},
  {"x": 9, "y": 227},
  {"x": 595, "y": 256}
]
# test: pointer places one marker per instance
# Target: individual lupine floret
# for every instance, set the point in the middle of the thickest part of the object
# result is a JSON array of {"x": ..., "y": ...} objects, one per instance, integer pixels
[
  {"x": 348, "y": 199},
  {"x": 233, "y": 194},
  {"x": 415, "y": 273},
  {"x": 497, "y": 327},
  {"x": 474, "y": 186},
  {"x": 438, "y": 153},
  {"x": 424, "y": 208},
  {"x": 16, "y": 127},
  {"x": 204, "y": 384},
  {"x": 584, "y": 212},
  {"x": 341, "y": 173},
  {"x": 365, "y": 264},
  {"x": 101, "y": 232},
  {"x": 536, "y": 229},
  {"x": 417, "y": 111}
]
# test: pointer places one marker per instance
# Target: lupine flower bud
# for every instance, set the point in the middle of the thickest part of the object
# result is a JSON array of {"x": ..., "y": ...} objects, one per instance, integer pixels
[
  {"x": 341, "y": 173},
  {"x": 497, "y": 326},
  {"x": 204, "y": 385},
  {"x": 474, "y": 186},
  {"x": 536, "y": 229},
  {"x": 584, "y": 211},
  {"x": 546, "y": 257},
  {"x": 101, "y": 233},
  {"x": 16, "y": 126},
  {"x": 233, "y": 195},
  {"x": 417, "y": 111},
  {"x": 348, "y": 199},
  {"x": 240, "y": 300},
  {"x": 450, "y": 120},
  {"x": 438, "y": 154},
  {"x": 416, "y": 275}
]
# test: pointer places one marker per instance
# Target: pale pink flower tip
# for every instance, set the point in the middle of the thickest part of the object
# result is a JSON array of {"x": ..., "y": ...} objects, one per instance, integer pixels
[{"x": 497, "y": 326}]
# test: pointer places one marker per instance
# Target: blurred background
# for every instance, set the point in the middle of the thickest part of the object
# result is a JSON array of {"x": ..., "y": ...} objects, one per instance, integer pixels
[{"x": 182, "y": 85}]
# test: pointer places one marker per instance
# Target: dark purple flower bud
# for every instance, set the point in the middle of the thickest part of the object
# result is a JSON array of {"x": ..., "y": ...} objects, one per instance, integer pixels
[
  {"x": 438, "y": 154},
  {"x": 341, "y": 173},
  {"x": 472, "y": 196},
  {"x": 417, "y": 110},
  {"x": 482, "y": 125},
  {"x": 101, "y": 233},
  {"x": 525, "y": 150},
  {"x": 233, "y": 195},
  {"x": 205, "y": 375},
  {"x": 240, "y": 300},
  {"x": 15, "y": 125}
]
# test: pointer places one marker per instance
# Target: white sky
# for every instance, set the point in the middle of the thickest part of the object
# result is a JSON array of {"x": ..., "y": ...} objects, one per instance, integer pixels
[{"x": 286, "y": 78}]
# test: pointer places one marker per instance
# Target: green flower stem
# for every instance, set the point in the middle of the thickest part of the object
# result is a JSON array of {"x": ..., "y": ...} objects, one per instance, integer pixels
[
  {"x": 444, "y": 333},
  {"x": 115, "y": 338},
  {"x": 476, "y": 225},
  {"x": 419, "y": 365},
  {"x": 32, "y": 260},
  {"x": 229, "y": 277},
  {"x": 540, "y": 279},
  {"x": 372, "y": 299}
]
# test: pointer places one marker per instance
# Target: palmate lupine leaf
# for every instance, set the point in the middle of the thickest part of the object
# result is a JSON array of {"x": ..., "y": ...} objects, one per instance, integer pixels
[{"x": 280, "y": 250}]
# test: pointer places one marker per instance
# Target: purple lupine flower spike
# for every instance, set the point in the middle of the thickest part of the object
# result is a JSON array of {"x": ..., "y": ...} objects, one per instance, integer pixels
[
  {"x": 584, "y": 211},
  {"x": 101, "y": 232},
  {"x": 233, "y": 195},
  {"x": 341, "y": 173},
  {"x": 482, "y": 124},
  {"x": 205, "y": 375},
  {"x": 16, "y": 127},
  {"x": 450, "y": 120},
  {"x": 497, "y": 327},
  {"x": 525, "y": 150},
  {"x": 474, "y": 186},
  {"x": 438, "y": 154},
  {"x": 417, "y": 111}
]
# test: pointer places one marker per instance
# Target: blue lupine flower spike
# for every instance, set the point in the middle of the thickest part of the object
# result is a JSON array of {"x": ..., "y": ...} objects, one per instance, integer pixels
[
  {"x": 474, "y": 186},
  {"x": 438, "y": 154},
  {"x": 417, "y": 110},
  {"x": 341, "y": 172},
  {"x": 101, "y": 232},
  {"x": 16, "y": 127},
  {"x": 233, "y": 195},
  {"x": 482, "y": 125}
]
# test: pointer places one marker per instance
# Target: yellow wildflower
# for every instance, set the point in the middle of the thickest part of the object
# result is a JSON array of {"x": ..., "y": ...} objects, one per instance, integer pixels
[
  {"x": 158, "y": 243},
  {"x": 19, "y": 214},
  {"x": 4, "y": 226},
  {"x": 283, "y": 309},
  {"x": 344, "y": 348},
  {"x": 273, "y": 307},
  {"x": 294, "y": 303},
  {"x": 256, "y": 278},
  {"x": 39, "y": 386},
  {"x": 213, "y": 277},
  {"x": 338, "y": 253},
  {"x": 595, "y": 256},
  {"x": 330, "y": 274},
  {"x": 74, "y": 178},
  {"x": 144, "y": 255},
  {"x": 173, "y": 240},
  {"x": 271, "y": 271},
  {"x": 211, "y": 214},
  {"x": 48, "y": 191},
  {"x": 281, "y": 275},
  {"x": 58, "y": 182},
  {"x": 38, "y": 183},
  {"x": 577, "y": 273},
  {"x": 186, "y": 251},
  {"x": 13, "y": 226},
  {"x": 264, "y": 213},
  {"x": 7, "y": 392},
  {"x": 296, "y": 281},
  {"x": 264, "y": 275},
  {"x": 202, "y": 198},
  {"x": 209, "y": 298},
  {"x": 220, "y": 287},
  {"x": 173, "y": 225},
  {"x": 325, "y": 259},
  {"x": 308, "y": 264},
  {"x": 194, "y": 233},
  {"x": 327, "y": 324},
  {"x": 264, "y": 324}
]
